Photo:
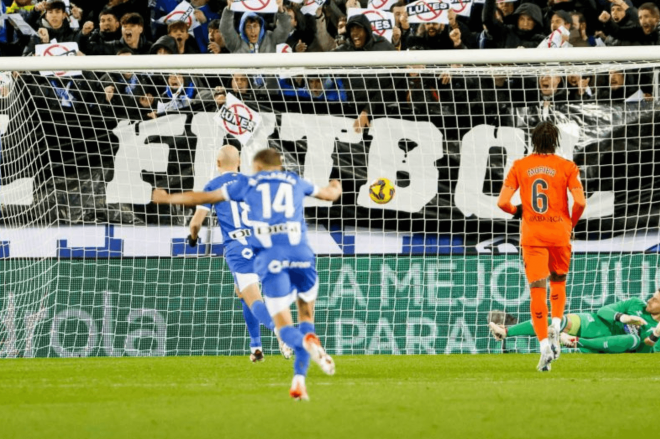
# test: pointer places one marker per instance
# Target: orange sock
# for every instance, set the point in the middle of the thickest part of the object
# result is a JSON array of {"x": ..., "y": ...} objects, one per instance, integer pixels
[
  {"x": 557, "y": 299},
  {"x": 539, "y": 308}
]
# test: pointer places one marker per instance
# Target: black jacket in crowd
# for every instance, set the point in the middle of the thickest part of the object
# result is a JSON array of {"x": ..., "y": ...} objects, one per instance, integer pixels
[{"x": 508, "y": 36}]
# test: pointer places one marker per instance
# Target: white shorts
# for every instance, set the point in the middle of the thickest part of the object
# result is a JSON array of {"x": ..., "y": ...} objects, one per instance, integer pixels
[
  {"x": 276, "y": 305},
  {"x": 244, "y": 280}
]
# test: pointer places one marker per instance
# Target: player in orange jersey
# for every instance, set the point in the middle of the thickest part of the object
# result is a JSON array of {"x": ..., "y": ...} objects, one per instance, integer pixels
[{"x": 544, "y": 180}]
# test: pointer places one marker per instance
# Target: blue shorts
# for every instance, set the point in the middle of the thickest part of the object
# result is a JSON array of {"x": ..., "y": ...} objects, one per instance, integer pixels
[
  {"x": 240, "y": 259},
  {"x": 287, "y": 273}
]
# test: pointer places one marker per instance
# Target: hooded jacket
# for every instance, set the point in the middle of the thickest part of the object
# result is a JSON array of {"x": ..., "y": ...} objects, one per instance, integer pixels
[
  {"x": 166, "y": 42},
  {"x": 373, "y": 42},
  {"x": 509, "y": 36},
  {"x": 238, "y": 42}
]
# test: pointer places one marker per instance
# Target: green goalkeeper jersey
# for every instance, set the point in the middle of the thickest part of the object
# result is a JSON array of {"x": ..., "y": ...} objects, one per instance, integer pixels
[{"x": 631, "y": 307}]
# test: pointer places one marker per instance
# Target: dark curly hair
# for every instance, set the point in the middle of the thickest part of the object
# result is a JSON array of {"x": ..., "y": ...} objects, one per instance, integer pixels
[{"x": 545, "y": 138}]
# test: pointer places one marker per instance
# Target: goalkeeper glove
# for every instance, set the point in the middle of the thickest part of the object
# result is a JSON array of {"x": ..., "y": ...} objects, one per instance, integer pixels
[
  {"x": 653, "y": 336},
  {"x": 192, "y": 241},
  {"x": 518, "y": 214},
  {"x": 630, "y": 320}
]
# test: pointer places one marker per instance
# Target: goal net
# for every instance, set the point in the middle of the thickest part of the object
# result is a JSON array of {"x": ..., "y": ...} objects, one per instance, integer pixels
[{"x": 90, "y": 267}]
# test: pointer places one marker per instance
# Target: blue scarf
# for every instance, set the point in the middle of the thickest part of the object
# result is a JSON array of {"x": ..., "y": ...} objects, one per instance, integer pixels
[{"x": 131, "y": 84}]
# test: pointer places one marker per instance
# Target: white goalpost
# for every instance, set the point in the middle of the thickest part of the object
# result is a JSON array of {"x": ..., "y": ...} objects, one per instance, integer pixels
[{"x": 90, "y": 267}]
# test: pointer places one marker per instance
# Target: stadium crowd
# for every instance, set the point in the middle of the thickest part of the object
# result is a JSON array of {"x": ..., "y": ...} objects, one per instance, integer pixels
[{"x": 134, "y": 27}]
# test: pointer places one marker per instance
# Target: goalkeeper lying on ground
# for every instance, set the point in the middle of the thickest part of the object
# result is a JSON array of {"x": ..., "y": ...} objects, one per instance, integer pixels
[{"x": 628, "y": 326}]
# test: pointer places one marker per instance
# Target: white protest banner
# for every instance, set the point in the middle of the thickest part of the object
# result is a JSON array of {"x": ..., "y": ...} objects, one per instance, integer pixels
[
  {"x": 259, "y": 6},
  {"x": 381, "y": 5},
  {"x": 382, "y": 23},
  {"x": 73, "y": 22},
  {"x": 21, "y": 25},
  {"x": 461, "y": 7},
  {"x": 183, "y": 12},
  {"x": 428, "y": 11},
  {"x": 310, "y": 6},
  {"x": 237, "y": 119},
  {"x": 57, "y": 49}
]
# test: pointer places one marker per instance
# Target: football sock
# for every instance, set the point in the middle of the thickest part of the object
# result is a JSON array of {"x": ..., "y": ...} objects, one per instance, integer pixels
[
  {"x": 302, "y": 358},
  {"x": 306, "y": 327},
  {"x": 539, "y": 308},
  {"x": 526, "y": 328},
  {"x": 557, "y": 301},
  {"x": 261, "y": 312},
  {"x": 294, "y": 338},
  {"x": 615, "y": 344},
  {"x": 252, "y": 325}
]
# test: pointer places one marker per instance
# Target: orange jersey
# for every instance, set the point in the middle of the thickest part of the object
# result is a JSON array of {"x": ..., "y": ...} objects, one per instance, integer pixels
[{"x": 544, "y": 181}]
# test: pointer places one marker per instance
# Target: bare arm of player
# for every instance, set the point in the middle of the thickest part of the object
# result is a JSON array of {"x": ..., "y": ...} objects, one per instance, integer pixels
[
  {"x": 331, "y": 192},
  {"x": 579, "y": 204},
  {"x": 504, "y": 201},
  {"x": 196, "y": 222},
  {"x": 160, "y": 196}
]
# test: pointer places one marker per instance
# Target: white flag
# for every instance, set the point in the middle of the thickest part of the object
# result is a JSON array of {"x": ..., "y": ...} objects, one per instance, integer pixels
[
  {"x": 382, "y": 23},
  {"x": 183, "y": 12},
  {"x": 461, "y": 7},
  {"x": 237, "y": 119},
  {"x": 310, "y": 6},
  {"x": 422, "y": 11},
  {"x": 58, "y": 49},
  {"x": 283, "y": 48},
  {"x": 381, "y": 5},
  {"x": 259, "y": 6}
]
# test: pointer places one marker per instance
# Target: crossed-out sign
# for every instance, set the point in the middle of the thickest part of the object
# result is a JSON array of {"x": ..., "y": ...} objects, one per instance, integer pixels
[
  {"x": 263, "y": 6},
  {"x": 383, "y": 5},
  {"x": 382, "y": 23},
  {"x": 57, "y": 49},
  {"x": 183, "y": 12},
  {"x": 310, "y": 6},
  {"x": 237, "y": 119},
  {"x": 435, "y": 11}
]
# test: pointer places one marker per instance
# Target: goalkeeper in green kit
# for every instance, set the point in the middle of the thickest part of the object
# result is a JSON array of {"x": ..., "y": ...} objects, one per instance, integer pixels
[{"x": 628, "y": 326}]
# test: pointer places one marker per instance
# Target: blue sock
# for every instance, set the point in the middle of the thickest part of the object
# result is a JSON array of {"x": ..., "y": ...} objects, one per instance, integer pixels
[
  {"x": 252, "y": 326},
  {"x": 306, "y": 327},
  {"x": 261, "y": 312},
  {"x": 302, "y": 358},
  {"x": 294, "y": 338}
]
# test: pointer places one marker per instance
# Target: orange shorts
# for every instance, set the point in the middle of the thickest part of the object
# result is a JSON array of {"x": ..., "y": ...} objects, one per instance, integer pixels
[{"x": 541, "y": 261}]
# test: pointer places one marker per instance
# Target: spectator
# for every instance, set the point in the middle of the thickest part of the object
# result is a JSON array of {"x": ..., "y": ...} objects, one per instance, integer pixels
[
  {"x": 402, "y": 29},
  {"x": 109, "y": 30},
  {"x": 205, "y": 13},
  {"x": 165, "y": 45},
  {"x": 179, "y": 93},
  {"x": 644, "y": 33},
  {"x": 53, "y": 26},
  {"x": 586, "y": 7},
  {"x": 620, "y": 87},
  {"x": 559, "y": 19},
  {"x": 437, "y": 36},
  {"x": 216, "y": 42},
  {"x": 314, "y": 87},
  {"x": 253, "y": 36},
  {"x": 580, "y": 88},
  {"x": 304, "y": 29},
  {"x": 623, "y": 15},
  {"x": 133, "y": 38},
  {"x": 179, "y": 31},
  {"x": 527, "y": 32},
  {"x": 141, "y": 7},
  {"x": 22, "y": 7},
  {"x": 361, "y": 37}
]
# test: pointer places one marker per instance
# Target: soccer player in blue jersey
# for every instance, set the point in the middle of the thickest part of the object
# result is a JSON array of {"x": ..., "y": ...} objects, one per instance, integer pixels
[
  {"x": 238, "y": 254},
  {"x": 284, "y": 260}
]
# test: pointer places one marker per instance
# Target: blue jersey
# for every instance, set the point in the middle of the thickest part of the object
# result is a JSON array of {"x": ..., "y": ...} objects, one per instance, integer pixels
[
  {"x": 232, "y": 216},
  {"x": 275, "y": 200}
]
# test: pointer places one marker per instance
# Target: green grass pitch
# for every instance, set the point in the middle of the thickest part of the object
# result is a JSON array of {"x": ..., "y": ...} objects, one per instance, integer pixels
[{"x": 456, "y": 396}]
